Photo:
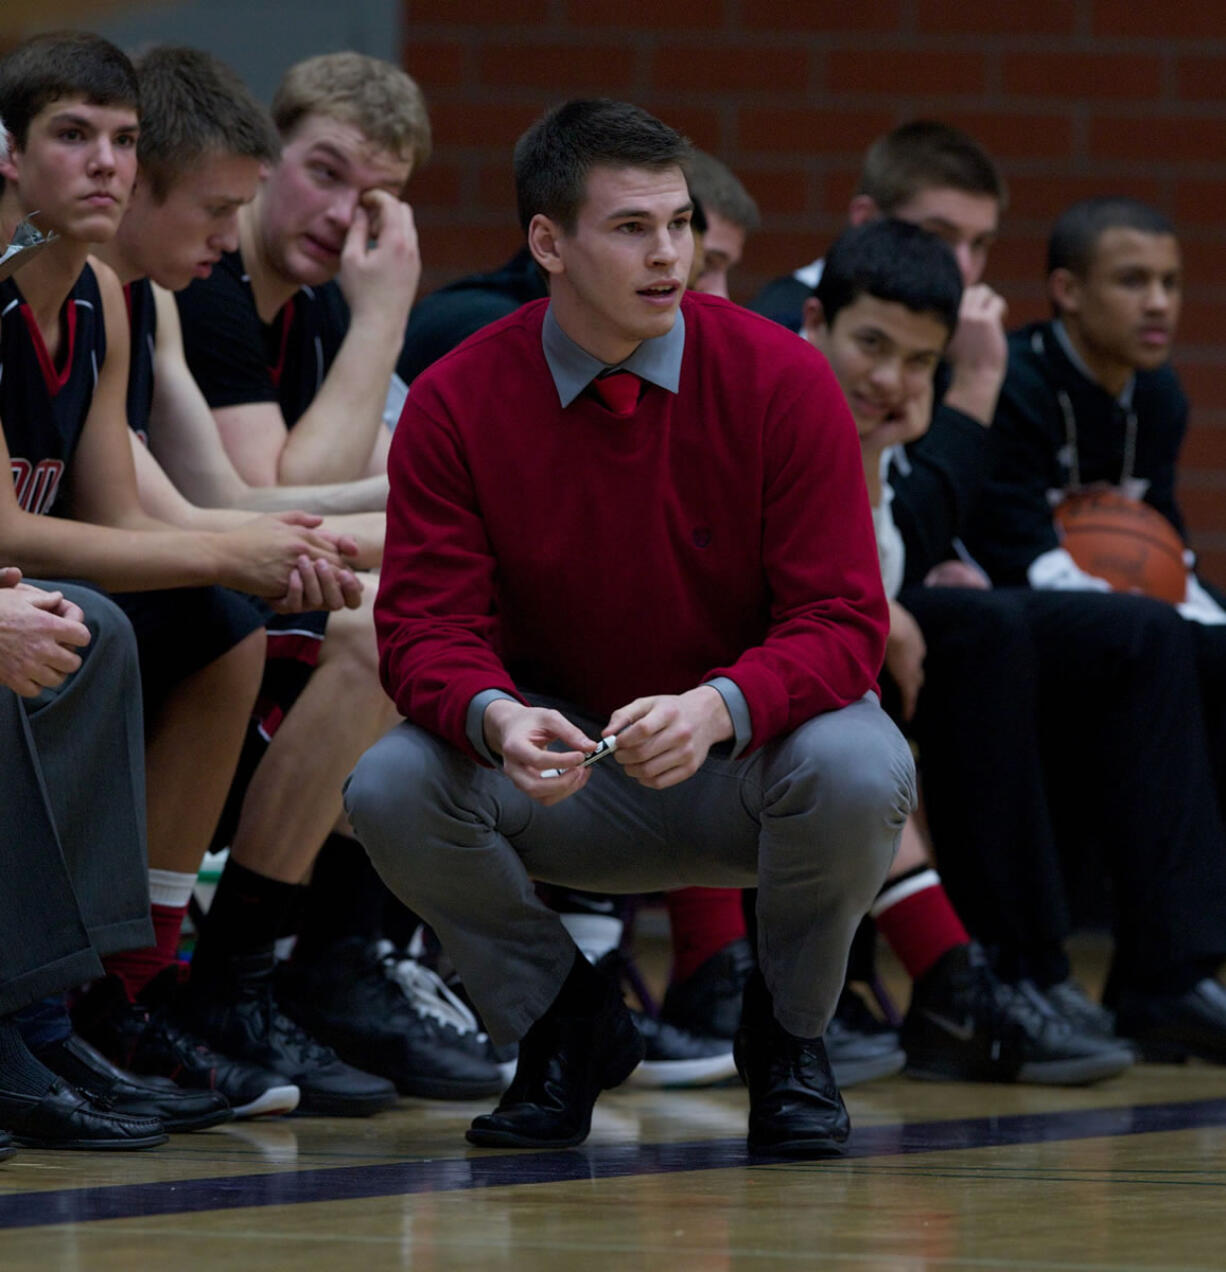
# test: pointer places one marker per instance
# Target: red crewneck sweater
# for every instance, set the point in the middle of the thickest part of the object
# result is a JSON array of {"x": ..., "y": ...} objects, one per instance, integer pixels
[{"x": 720, "y": 531}]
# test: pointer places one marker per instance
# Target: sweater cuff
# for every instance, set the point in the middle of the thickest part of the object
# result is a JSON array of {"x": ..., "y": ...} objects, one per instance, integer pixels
[
  {"x": 474, "y": 723},
  {"x": 738, "y": 709}
]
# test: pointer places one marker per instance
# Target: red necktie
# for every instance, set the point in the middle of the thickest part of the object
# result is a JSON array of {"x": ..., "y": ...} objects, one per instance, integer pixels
[{"x": 619, "y": 391}]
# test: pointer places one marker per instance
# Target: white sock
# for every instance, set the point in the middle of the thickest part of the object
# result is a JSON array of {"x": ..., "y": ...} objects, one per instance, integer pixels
[{"x": 170, "y": 887}]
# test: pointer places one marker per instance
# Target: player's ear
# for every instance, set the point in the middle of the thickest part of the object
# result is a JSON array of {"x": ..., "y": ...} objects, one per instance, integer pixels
[
  {"x": 1064, "y": 290},
  {"x": 862, "y": 209},
  {"x": 543, "y": 237},
  {"x": 8, "y": 148},
  {"x": 813, "y": 324}
]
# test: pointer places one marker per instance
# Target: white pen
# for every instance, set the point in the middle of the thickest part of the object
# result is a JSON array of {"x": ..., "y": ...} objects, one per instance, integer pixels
[{"x": 606, "y": 746}]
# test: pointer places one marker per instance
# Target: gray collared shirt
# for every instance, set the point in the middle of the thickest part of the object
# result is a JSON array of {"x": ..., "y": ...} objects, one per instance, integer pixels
[{"x": 573, "y": 369}]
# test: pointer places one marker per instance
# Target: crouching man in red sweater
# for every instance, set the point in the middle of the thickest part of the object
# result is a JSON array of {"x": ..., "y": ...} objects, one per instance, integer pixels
[{"x": 624, "y": 513}]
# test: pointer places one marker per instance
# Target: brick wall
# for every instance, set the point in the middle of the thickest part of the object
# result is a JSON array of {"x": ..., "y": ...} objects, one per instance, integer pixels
[{"x": 1072, "y": 96}]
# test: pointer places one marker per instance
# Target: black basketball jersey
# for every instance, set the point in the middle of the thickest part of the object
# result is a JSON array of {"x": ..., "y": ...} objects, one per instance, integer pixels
[
  {"x": 44, "y": 406},
  {"x": 236, "y": 359},
  {"x": 143, "y": 325}
]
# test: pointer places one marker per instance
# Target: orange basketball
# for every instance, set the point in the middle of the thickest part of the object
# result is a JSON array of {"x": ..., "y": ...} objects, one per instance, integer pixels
[{"x": 1128, "y": 543}]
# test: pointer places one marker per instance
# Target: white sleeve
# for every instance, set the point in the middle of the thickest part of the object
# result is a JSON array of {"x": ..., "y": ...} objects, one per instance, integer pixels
[
  {"x": 1199, "y": 606},
  {"x": 1056, "y": 571}
]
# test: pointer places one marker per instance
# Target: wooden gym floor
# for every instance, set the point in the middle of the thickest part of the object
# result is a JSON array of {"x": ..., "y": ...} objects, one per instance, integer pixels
[{"x": 1129, "y": 1174}]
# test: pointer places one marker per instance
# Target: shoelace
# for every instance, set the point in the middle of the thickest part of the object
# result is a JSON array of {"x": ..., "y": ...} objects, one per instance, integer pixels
[{"x": 426, "y": 991}]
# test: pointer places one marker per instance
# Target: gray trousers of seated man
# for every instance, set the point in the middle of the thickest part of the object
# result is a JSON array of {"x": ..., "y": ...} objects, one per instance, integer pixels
[
  {"x": 812, "y": 819},
  {"x": 74, "y": 876}
]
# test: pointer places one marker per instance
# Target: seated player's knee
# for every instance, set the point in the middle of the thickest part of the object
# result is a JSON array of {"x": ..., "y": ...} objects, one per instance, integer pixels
[{"x": 351, "y": 637}]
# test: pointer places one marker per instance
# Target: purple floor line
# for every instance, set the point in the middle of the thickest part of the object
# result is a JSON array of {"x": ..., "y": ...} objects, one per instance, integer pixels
[{"x": 494, "y": 1170}]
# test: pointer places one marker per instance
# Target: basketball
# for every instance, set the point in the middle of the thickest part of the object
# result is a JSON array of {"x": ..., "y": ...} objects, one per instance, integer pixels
[{"x": 1128, "y": 543}]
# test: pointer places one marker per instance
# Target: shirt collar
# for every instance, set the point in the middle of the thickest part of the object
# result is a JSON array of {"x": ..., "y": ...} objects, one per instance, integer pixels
[
  {"x": 573, "y": 368},
  {"x": 1066, "y": 343}
]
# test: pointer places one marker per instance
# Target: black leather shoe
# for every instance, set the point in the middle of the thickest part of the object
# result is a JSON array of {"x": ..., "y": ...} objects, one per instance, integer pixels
[
  {"x": 564, "y": 1064},
  {"x": 1172, "y": 1027},
  {"x": 708, "y": 1002},
  {"x": 7, "y": 1147},
  {"x": 113, "y": 1088},
  {"x": 795, "y": 1108},
  {"x": 65, "y": 1118}
]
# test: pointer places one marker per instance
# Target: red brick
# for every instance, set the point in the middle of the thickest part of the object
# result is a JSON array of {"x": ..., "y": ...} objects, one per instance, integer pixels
[
  {"x": 435, "y": 63},
  {"x": 997, "y": 17},
  {"x": 644, "y": 15},
  {"x": 1022, "y": 136},
  {"x": 1043, "y": 198},
  {"x": 454, "y": 249},
  {"x": 477, "y": 13},
  {"x": 1142, "y": 138},
  {"x": 811, "y": 132},
  {"x": 557, "y": 68},
  {"x": 1204, "y": 448},
  {"x": 1200, "y": 202},
  {"x": 729, "y": 69},
  {"x": 778, "y": 193},
  {"x": 1189, "y": 20},
  {"x": 1204, "y": 259},
  {"x": 1201, "y": 78},
  {"x": 1025, "y": 309},
  {"x": 1204, "y": 508},
  {"x": 496, "y": 187},
  {"x": 825, "y": 16},
  {"x": 905, "y": 71},
  {"x": 1081, "y": 75},
  {"x": 1017, "y": 258},
  {"x": 1201, "y": 322},
  {"x": 838, "y": 186},
  {"x": 438, "y": 184},
  {"x": 771, "y": 253},
  {"x": 480, "y": 123},
  {"x": 1204, "y": 382},
  {"x": 700, "y": 124}
]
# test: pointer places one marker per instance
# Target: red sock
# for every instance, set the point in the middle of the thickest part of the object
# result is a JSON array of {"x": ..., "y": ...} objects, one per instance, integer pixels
[
  {"x": 915, "y": 916},
  {"x": 136, "y": 968},
  {"x": 703, "y": 921}
]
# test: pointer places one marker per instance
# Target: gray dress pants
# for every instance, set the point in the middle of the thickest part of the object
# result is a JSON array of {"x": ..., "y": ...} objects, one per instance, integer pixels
[
  {"x": 73, "y": 870},
  {"x": 812, "y": 819}
]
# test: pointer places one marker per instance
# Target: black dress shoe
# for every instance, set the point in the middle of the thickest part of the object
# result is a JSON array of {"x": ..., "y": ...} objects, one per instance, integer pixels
[
  {"x": 113, "y": 1088},
  {"x": 565, "y": 1061},
  {"x": 7, "y": 1147},
  {"x": 65, "y": 1118},
  {"x": 1172, "y": 1027},
  {"x": 795, "y": 1108}
]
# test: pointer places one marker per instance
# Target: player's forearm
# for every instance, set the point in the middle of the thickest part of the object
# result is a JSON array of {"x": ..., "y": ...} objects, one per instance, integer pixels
[
  {"x": 333, "y": 440},
  {"x": 366, "y": 496},
  {"x": 117, "y": 558}
]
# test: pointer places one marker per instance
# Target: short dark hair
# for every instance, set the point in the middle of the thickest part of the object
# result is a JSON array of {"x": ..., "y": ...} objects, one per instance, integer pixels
[
  {"x": 1075, "y": 235},
  {"x": 893, "y": 261},
  {"x": 196, "y": 107},
  {"x": 925, "y": 155},
  {"x": 716, "y": 186},
  {"x": 63, "y": 64},
  {"x": 553, "y": 158}
]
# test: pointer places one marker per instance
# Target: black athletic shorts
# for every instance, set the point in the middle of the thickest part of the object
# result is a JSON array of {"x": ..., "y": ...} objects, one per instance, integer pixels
[
  {"x": 294, "y": 642},
  {"x": 181, "y": 630}
]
